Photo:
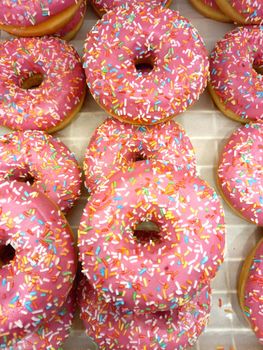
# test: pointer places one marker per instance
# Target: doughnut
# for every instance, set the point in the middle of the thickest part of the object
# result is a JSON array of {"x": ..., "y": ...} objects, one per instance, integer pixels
[
  {"x": 36, "y": 18},
  {"x": 51, "y": 334},
  {"x": 103, "y": 6},
  {"x": 70, "y": 30},
  {"x": 144, "y": 65},
  {"x": 35, "y": 156},
  {"x": 240, "y": 172},
  {"x": 36, "y": 282},
  {"x": 113, "y": 328},
  {"x": 243, "y": 11},
  {"x": 115, "y": 145},
  {"x": 235, "y": 84},
  {"x": 250, "y": 290},
  {"x": 42, "y": 84},
  {"x": 168, "y": 269},
  {"x": 210, "y": 9}
]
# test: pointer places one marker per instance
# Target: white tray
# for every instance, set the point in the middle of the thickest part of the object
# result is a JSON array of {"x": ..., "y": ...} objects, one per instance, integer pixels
[{"x": 208, "y": 130}]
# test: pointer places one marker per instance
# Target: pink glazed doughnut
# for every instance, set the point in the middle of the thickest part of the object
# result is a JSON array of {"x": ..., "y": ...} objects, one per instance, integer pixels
[
  {"x": 235, "y": 85},
  {"x": 251, "y": 290},
  {"x": 35, "y": 284},
  {"x": 36, "y": 18},
  {"x": 243, "y": 11},
  {"x": 144, "y": 65},
  {"x": 115, "y": 145},
  {"x": 167, "y": 269},
  {"x": 70, "y": 30},
  {"x": 240, "y": 172},
  {"x": 37, "y": 156},
  {"x": 102, "y": 6},
  {"x": 53, "y": 68},
  {"x": 51, "y": 334},
  {"x": 113, "y": 328}
]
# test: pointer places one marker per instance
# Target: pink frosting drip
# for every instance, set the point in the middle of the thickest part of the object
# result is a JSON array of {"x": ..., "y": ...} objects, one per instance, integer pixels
[
  {"x": 37, "y": 281},
  {"x": 114, "y": 328},
  {"x": 232, "y": 75},
  {"x": 115, "y": 145},
  {"x": 49, "y": 104},
  {"x": 156, "y": 274},
  {"x": 47, "y": 160},
  {"x": 240, "y": 171},
  {"x": 252, "y": 11},
  {"x": 51, "y": 334},
  {"x": 24, "y": 13},
  {"x": 106, "y": 5},
  {"x": 254, "y": 293},
  {"x": 79, "y": 15},
  {"x": 178, "y": 55}
]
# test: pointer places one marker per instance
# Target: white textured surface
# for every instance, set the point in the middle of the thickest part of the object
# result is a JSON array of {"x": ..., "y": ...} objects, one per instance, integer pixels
[{"x": 208, "y": 130}]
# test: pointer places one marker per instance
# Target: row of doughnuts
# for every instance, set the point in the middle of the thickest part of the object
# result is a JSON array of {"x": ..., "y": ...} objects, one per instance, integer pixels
[
  {"x": 146, "y": 288},
  {"x": 239, "y": 11}
]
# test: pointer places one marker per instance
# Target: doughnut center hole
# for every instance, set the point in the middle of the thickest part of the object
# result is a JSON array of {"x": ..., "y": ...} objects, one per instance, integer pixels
[
  {"x": 31, "y": 81},
  {"x": 27, "y": 178},
  {"x": 144, "y": 64},
  {"x": 7, "y": 254},
  {"x": 139, "y": 157},
  {"x": 147, "y": 231},
  {"x": 258, "y": 67}
]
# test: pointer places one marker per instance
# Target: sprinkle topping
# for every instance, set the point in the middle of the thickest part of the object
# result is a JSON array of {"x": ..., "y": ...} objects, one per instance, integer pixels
[
  {"x": 170, "y": 47},
  {"x": 45, "y": 160},
  {"x": 37, "y": 281},
  {"x": 240, "y": 172},
  {"x": 115, "y": 145},
  {"x": 156, "y": 274},
  {"x": 113, "y": 328},
  {"x": 60, "y": 92},
  {"x": 233, "y": 77}
]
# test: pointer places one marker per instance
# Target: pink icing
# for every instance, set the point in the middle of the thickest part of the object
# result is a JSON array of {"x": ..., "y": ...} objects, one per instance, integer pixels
[
  {"x": 26, "y": 13},
  {"x": 48, "y": 105},
  {"x": 115, "y": 145},
  {"x": 232, "y": 76},
  {"x": 177, "y": 54},
  {"x": 254, "y": 293},
  {"x": 37, "y": 281},
  {"x": 78, "y": 17},
  {"x": 47, "y": 160},
  {"x": 240, "y": 171},
  {"x": 252, "y": 11},
  {"x": 157, "y": 274},
  {"x": 106, "y": 5},
  {"x": 50, "y": 334},
  {"x": 113, "y": 328}
]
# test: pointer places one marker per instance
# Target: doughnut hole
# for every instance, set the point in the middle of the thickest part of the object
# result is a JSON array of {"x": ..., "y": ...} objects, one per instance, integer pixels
[
  {"x": 258, "y": 66},
  {"x": 144, "y": 64},
  {"x": 147, "y": 232},
  {"x": 137, "y": 157},
  {"x": 30, "y": 80},
  {"x": 21, "y": 175},
  {"x": 7, "y": 254}
]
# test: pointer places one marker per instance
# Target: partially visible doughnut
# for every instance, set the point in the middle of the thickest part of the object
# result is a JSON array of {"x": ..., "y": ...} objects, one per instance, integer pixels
[
  {"x": 113, "y": 328},
  {"x": 42, "y": 83},
  {"x": 39, "y": 158},
  {"x": 115, "y": 145},
  {"x": 37, "y": 281}
]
